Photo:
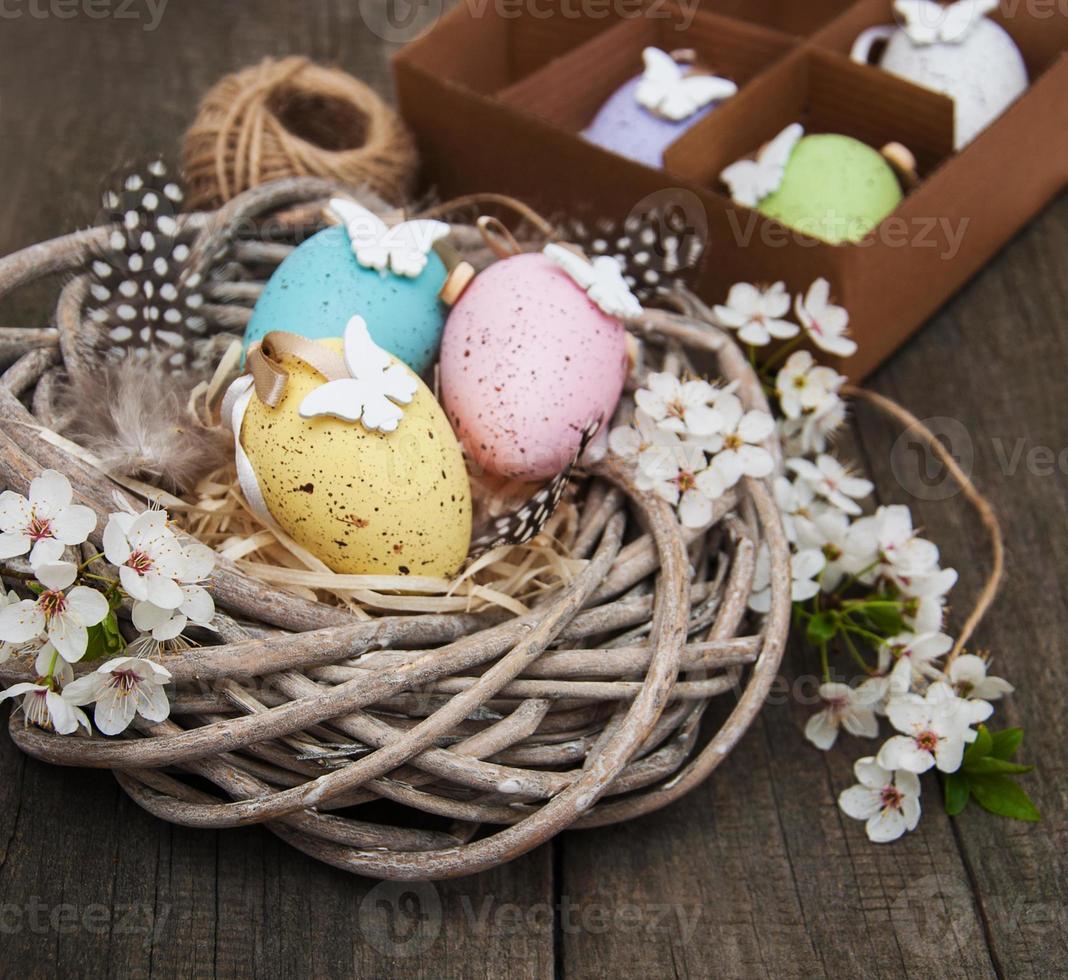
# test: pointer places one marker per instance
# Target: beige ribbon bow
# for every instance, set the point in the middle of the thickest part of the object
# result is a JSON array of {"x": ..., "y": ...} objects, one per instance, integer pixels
[{"x": 270, "y": 378}]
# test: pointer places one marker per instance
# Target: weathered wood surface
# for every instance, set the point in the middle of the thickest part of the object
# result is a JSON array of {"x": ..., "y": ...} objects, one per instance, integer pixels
[{"x": 757, "y": 873}]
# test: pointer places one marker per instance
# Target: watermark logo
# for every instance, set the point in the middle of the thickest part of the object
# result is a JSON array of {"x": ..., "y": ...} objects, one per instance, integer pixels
[
  {"x": 919, "y": 471},
  {"x": 935, "y": 911},
  {"x": 401, "y": 918},
  {"x": 672, "y": 225},
  {"x": 400, "y": 21}
]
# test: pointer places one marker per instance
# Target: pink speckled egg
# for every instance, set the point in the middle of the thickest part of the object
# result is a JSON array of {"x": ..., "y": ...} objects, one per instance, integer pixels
[{"x": 527, "y": 359}]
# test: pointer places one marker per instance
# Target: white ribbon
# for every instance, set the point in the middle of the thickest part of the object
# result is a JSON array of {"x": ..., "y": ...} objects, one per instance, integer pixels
[{"x": 235, "y": 404}]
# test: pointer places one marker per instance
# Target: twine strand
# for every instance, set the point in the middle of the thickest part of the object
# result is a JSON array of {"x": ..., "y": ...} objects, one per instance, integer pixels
[
  {"x": 982, "y": 507},
  {"x": 240, "y": 138}
]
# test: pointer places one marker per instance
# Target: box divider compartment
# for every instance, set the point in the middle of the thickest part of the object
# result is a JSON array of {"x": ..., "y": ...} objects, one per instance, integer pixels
[
  {"x": 797, "y": 17},
  {"x": 570, "y": 90},
  {"x": 471, "y": 91}
]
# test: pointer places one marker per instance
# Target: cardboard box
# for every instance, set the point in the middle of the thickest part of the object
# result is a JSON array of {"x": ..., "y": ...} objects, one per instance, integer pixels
[{"x": 499, "y": 91}]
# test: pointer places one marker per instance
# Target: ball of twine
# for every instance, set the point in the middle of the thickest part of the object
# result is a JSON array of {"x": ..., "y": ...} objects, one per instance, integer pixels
[{"x": 295, "y": 118}]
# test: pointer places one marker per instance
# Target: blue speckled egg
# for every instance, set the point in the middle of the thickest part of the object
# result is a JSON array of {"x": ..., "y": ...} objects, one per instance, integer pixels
[{"x": 321, "y": 286}]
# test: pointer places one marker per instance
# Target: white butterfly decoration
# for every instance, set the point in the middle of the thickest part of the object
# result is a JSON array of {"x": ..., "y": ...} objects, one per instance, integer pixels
[
  {"x": 750, "y": 181},
  {"x": 403, "y": 248},
  {"x": 666, "y": 90},
  {"x": 377, "y": 382},
  {"x": 928, "y": 23},
  {"x": 602, "y": 279}
]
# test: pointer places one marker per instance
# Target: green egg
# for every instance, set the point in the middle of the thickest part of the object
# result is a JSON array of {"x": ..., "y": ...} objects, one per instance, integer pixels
[{"x": 836, "y": 189}]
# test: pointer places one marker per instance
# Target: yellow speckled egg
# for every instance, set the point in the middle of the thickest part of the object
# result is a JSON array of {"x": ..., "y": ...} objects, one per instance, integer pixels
[{"x": 396, "y": 503}]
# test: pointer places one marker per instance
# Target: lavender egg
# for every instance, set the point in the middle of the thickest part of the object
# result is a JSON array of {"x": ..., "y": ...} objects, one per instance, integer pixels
[{"x": 625, "y": 127}]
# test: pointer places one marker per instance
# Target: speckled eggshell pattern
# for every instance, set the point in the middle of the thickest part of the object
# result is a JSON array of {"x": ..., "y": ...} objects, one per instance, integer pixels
[
  {"x": 526, "y": 361},
  {"x": 365, "y": 503},
  {"x": 625, "y": 127},
  {"x": 983, "y": 75},
  {"x": 836, "y": 189},
  {"x": 320, "y": 286}
]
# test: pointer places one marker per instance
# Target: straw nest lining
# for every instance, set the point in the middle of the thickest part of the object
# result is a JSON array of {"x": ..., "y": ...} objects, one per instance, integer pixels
[{"x": 585, "y": 708}]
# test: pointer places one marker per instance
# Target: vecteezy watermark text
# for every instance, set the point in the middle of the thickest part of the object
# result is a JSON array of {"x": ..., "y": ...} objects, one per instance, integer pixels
[
  {"x": 920, "y": 472},
  {"x": 148, "y": 12},
  {"x": 489, "y": 917},
  {"x": 681, "y": 12},
  {"x": 40, "y": 918},
  {"x": 945, "y": 235},
  {"x": 400, "y": 21}
]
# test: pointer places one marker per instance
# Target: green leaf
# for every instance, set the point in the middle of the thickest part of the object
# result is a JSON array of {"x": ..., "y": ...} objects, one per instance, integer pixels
[
  {"x": 885, "y": 619},
  {"x": 1003, "y": 796},
  {"x": 990, "y": 765},
  {"x": 957, "y": 793},
  {"x": 822, "y": 628},
  {"x": 980, "y": 748},
  {"x": 1006, "y": 743},
  {"x": 105, "y": 640}
]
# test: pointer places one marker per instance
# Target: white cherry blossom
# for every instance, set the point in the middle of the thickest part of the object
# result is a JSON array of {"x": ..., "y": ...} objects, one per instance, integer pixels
[
  {"x": 805, "y": 567},
  {"x": 49, "y": 662},
  {"x": 813, "y": 432},
  {"x": 149, "y": 557},
  {"x": 673, "y": 474},
  {"x": 832, "y": 481},
  {"x": 796, "y": 502},
  {"x": 888, "y": 802},
  {"x": 632, "y": 442},
  {"x": 851, "y": 708},
  {"x": 824, "y": 322},
  {"x": 46, "y": 708},
  {"x": 914, "y": 658},
  {"x": 757, "y": 314},
  {"x": 737, "y": 449},
  {"x": 804, "y": 387},
  {"x": 969, "y": 678},
  {"x": 61, "y": 615},
  {"x": 197, "y": 605},
  {"x": 45, "y": 523},
  {"x": 900, "y": 555},
  {"x": 10, "y": 599},
  {"x": 678, "y": 406},
  {"x": 828, "y": 530},
  {"x": 122, "y": 689},
  {"x": 935, "y": 729}
]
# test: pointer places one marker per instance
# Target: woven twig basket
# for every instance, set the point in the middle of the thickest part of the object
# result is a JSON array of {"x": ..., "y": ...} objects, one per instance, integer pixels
[{"x": 589, "y": 710}]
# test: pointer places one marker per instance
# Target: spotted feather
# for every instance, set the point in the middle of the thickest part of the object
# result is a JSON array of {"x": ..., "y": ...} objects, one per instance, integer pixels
[
  {"x": 526, "y": 522},
  {"x": 144, "y": 299},
  {"x": 656, "y": 249}
]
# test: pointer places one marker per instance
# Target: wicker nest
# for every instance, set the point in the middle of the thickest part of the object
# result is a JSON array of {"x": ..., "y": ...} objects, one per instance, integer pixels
[{"x": 588, "y": 710}]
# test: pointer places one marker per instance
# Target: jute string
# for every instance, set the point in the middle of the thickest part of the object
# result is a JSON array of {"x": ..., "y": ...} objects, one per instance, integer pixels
[
  {"x": 972, "y": 495},
  {"x": 295, "y": 118}
]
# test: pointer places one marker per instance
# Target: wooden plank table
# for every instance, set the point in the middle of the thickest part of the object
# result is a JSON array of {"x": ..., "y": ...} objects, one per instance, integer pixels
[{"x": 757, "y": 873}]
